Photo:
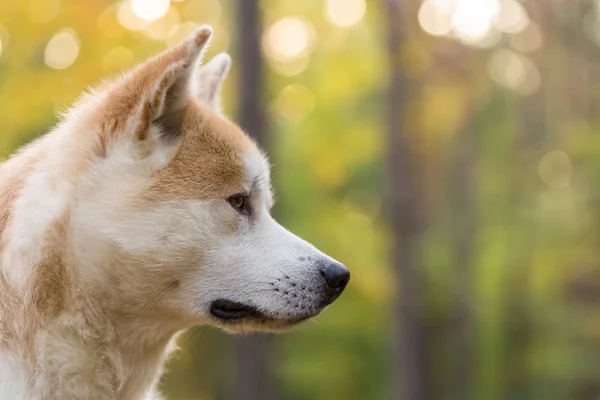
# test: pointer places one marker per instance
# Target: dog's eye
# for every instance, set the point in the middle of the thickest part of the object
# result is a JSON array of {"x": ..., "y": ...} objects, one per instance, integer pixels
[{"x": 240, "y": 202}]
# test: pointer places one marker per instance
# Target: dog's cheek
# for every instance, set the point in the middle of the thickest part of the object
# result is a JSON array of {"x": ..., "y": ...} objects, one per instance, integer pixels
[{"x": 223, "y": 222}]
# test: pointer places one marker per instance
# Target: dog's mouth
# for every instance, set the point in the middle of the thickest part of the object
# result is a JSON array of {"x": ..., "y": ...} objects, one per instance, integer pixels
[
  {"x": 227, "y": 310},
  {"x": 232, "y": 312}
]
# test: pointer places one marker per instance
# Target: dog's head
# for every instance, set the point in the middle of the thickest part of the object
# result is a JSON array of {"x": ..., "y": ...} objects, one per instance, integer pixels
[{"x": 179, "y": 198}]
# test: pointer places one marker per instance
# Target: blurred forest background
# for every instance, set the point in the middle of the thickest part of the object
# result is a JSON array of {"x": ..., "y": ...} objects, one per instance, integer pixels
[{"x": 447, "y": 151}]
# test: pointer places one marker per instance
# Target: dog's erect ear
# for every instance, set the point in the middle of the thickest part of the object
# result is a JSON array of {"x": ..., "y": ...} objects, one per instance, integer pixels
[
  {"x": 153, "y": 93},
  {"x": 209, "y": 78},
  {"x": 170, "y": 92}
]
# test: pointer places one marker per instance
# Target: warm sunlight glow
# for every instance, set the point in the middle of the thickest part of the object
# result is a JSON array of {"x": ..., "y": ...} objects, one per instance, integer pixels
[
  {"x": 43, "y": 10},
  {"x": 493, "y": 37},
  {"x": 472, "y": 19},
  {"x": 3, "y": 40},
  {"x": 128, "y": 19},
  {"x": 204, "y": 12},
  {"x": 182, "y": 31},
  {"x": 163, "y": 27},
  {"x": 591, "y": 23},
  {"x": 290, "y": 68},
  {"x": 295, "y": 102},
  {"x": 150, "y": 10},
  {"x": 512, "y": 18},
  {"x": 345, "y": 12},
  {"x": 288, "y": 39},
  {"x": 62, "y": 50},
  {"x": 437, "y": 21},
  {"x": 514, "y": 71},
  {"x": 528, "y": 40},
  {"x": 477, "y": 23},
  {"x": 556, "y": 170},
  {"x": 118, "y": 58}
]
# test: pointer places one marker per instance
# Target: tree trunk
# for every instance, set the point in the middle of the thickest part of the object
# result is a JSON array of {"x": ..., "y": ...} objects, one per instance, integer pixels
[
  {"x": 253, "y": 351},
  {"x": 404, "y": 202},
  {"x": 463, "y": 203}
]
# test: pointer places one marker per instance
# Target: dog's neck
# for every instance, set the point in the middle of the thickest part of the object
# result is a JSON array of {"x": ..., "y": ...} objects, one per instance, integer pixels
[
  {"x": 48, "y": 310},
  {"x": 143, "y": 350},
  {"x": 123, "y": 353},
  {"x": 140, "y": 344}
]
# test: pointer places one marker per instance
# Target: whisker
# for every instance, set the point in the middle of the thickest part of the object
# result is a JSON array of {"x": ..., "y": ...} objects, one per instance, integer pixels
[
  {"x": 262, "y": 344},
  {"x": 197, "y": 342},
  {"x": 284, "y": 274},
  {"x": 261, "y": 290},
  {"x": 199, "y": 329},
  {"x": 194, "y": 333}
]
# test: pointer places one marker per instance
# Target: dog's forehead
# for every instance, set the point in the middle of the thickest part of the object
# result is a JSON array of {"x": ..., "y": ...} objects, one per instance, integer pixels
[
  {"x": 216, "y": 159},
  {"x": 257, "y": 170}
]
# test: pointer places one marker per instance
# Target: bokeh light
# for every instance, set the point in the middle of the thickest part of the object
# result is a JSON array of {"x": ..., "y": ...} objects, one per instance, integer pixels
[
  {"x": 128, "y": 19},
  {"x": 491, "y": 39},
  {"x": 514, "y": 71},
  {"x": 556, "y": 170},
  {"x": 62, "y": 50},
  {"x": 345, "y": 13},
  {"x": 204, "y": 12},
  {"x": 591, "y": 23},
  {"x": 150, "y": 10},
  {"x": 181, "y": 31},
  {"x": 472, "y": 19},
  {"x": 469, "y": 21},
  {"x": 288, "y": 39},
  {"x": 163, "y": 27},
  {"x": 512, "y": 18},
  {"x": 295, "y": 102},
  {"x": 4, "y": 38},
  {"x": 435, "y": 20},
  {"x": 528, "y": 40},
  {"x": 473, "y": 22},
  {"x": 290, "y": 68}
]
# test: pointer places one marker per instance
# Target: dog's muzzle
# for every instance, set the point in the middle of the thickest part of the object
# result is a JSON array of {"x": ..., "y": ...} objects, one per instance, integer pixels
[{"x": 299, "y": 301}]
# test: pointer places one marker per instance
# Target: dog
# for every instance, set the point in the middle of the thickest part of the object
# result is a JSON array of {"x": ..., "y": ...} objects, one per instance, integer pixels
[{"x": 143, "y": 213}]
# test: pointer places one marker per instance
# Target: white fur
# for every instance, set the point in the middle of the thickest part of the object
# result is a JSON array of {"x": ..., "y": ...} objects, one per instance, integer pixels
[{"x": 136, "y": 272}]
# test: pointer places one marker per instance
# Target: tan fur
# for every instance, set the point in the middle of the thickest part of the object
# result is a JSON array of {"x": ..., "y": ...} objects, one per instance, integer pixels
[
  {"x": 210, "y": 153},
  {"x": 55, "y": 301},
  {"x": 116, "y": 234}
]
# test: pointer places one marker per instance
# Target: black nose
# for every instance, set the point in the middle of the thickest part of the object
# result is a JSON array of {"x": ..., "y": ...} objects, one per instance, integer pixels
[{"x": 336, "y": 275}]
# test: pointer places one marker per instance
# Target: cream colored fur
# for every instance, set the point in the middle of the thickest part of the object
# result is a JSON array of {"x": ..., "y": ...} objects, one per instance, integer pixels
[{"x": 116, "y": 235}]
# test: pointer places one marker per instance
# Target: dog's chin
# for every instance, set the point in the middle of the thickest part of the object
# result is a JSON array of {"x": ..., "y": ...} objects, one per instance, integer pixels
[{"x": 243, "y": 318}]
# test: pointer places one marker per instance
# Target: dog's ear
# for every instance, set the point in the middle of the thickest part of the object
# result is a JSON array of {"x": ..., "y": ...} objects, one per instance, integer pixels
[
  {"x": 146, "y": 103},
  {"x": 208, "y": 79},
  {"x": 169, "y": 92}
]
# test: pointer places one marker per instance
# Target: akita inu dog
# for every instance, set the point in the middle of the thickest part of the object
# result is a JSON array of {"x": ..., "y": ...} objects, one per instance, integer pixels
[{"x": 143, "y": 213}]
